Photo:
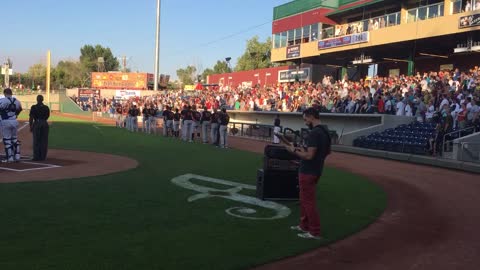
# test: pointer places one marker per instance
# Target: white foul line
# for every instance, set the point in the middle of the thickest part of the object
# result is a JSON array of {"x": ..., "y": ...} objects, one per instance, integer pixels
[
  {"x": 25, "y": 170},
  {"x": 46, "y": 166},
  {"x": 24, "y": 126},
  {"x": 42, "y": 164}
]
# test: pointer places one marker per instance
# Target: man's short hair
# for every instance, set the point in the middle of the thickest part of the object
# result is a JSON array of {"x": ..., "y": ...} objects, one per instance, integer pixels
[
  {"x": 7, "y": 91},
  {"x": 39, "y": 98},
  {"x": 312, "y": 112}
]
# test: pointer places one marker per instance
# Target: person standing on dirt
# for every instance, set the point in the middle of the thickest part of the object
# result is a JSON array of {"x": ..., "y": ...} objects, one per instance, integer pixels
[
  {"x": 39, "y": 115},
  {"x": 10, "y": 108},
  {"x": 224, "y": 120},
  {"x": 316, "y": 149}
]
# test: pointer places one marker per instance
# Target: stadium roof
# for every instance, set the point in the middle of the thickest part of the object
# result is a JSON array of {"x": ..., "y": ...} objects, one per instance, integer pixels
[
  {"x": 353, "y": 5},
  {"x": 301, "y": 6}
]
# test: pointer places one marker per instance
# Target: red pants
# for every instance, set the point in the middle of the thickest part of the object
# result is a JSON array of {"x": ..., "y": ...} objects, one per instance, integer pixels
[{"x": 309, "y": 218}]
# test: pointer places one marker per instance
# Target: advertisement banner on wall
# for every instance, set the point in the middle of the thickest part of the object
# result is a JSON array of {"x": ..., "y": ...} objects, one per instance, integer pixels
[
  {"x": 343, "y": 41},
  {"x": 291, "y": 75},
  {"x": 119, "y": 80},
  {"x": 189, "y": 87},
  {"x": 293, "y": 51},
  {"x": 446, "y": 67},
  {"x": 469, "y": 21},
  {"x": 127, "y": 94},
  {"x": 86, "y": 94}
]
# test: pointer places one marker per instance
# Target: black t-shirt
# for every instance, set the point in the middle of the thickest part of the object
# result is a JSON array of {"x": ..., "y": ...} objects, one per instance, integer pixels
[
  {"x": 151, "y": 112},
  {"x": 188, "y": 115},
  {"x": 214, "y": 118},
  {"x": 224, "y": 119},
  {"x": 317, "y": 137},
  {"x": 40, "y": 112},
  {"x": 206, "y": 116},
  {"x": 135, "y": 112},
  {"x": 169, "y": 115},
  {"x": 196, "y": 115},
  {"x": 176, "y": 116},
  {"x": 183, "y": 113}
]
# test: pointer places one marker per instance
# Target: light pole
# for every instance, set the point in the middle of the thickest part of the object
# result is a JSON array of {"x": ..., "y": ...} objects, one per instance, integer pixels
[
  {"x": 49, "y": 55},
  {"x": 157, "y": 47},
  {"x": 228, "y": 64}
]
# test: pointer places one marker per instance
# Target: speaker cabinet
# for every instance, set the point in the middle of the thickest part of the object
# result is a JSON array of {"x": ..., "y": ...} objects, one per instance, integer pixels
[
  {"x": 277, "y": 185},
  {"x": 278, "y": 158}
]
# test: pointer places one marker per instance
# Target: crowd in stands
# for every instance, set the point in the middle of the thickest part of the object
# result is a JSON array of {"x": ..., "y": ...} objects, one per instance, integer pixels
[{"x": 421, "y": 96}]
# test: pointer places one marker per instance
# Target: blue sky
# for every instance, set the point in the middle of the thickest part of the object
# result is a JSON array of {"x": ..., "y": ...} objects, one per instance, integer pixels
[{"x": 128, "y": 28}]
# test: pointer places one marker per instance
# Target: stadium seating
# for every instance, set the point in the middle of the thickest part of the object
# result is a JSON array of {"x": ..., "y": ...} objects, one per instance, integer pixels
[{"x": 411, "y": 139}]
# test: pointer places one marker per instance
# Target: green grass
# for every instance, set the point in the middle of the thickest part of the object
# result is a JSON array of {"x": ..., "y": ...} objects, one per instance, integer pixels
[{"x": 139, "y": 220}]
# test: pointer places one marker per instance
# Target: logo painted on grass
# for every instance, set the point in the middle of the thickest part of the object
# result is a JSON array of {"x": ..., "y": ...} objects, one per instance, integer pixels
[{"x": 233, "y": 194}]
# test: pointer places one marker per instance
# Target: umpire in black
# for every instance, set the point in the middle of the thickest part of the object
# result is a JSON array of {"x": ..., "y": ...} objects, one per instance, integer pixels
[{"x": 39, "y": 115}]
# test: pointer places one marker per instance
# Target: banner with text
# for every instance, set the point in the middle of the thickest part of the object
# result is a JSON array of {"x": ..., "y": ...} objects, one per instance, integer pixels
[
  {"x": 119, "y": 80},
  {"x": 469, "y": 21},
  {"x": 343, "y": 41},
  {"x": 86, "y": 94},
  {"x": 293, "y": 51},
  {"x": 127, "y": 94},
  {"x": 292, "y": 75}
]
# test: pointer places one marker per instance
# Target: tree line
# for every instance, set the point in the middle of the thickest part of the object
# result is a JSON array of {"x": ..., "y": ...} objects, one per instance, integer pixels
[
  {"x": 68, "y": 73},
  {"x": 256, "y": 56},
  {"x": 76, "y": 73}
]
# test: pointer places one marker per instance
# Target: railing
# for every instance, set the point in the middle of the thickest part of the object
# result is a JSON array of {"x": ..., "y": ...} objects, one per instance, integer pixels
[
  {"x": 425, "y": 12},
  {"x": 470, "y": 5},
  {"x": 369, "y": 24},
  {"x": 249, "y": 130},
  {"x": 446, "y": 143}
]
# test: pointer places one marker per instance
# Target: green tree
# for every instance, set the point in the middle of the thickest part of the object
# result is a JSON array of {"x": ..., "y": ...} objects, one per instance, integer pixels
[
  {"x": 207, "y": 72},
  {"x": 221, "y": 67},
  {"x": 257, "y": 55},
  {"x": 16, "y": 79},
  {"x": 187, "y": 75},
  {"x": 68, "y": 74},
  {"x": 89, "y": 58},
  {"x": 37, "y": 74}
]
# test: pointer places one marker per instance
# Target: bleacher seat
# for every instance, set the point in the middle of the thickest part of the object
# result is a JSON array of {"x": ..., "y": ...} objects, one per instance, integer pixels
[{"x": 408, "y": 138}]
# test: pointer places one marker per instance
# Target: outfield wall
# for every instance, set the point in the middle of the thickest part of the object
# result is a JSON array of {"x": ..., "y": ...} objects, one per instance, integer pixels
[
  {"x": 109, "y": 93},
  {"x": 30, "y": 100}
]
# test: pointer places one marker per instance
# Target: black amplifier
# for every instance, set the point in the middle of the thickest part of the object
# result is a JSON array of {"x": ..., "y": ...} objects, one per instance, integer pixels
[{"x": 277, "y": 185}]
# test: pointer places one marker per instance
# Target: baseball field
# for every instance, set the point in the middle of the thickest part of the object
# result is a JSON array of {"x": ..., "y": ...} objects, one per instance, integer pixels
[{"x": 176, "y": 210}]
